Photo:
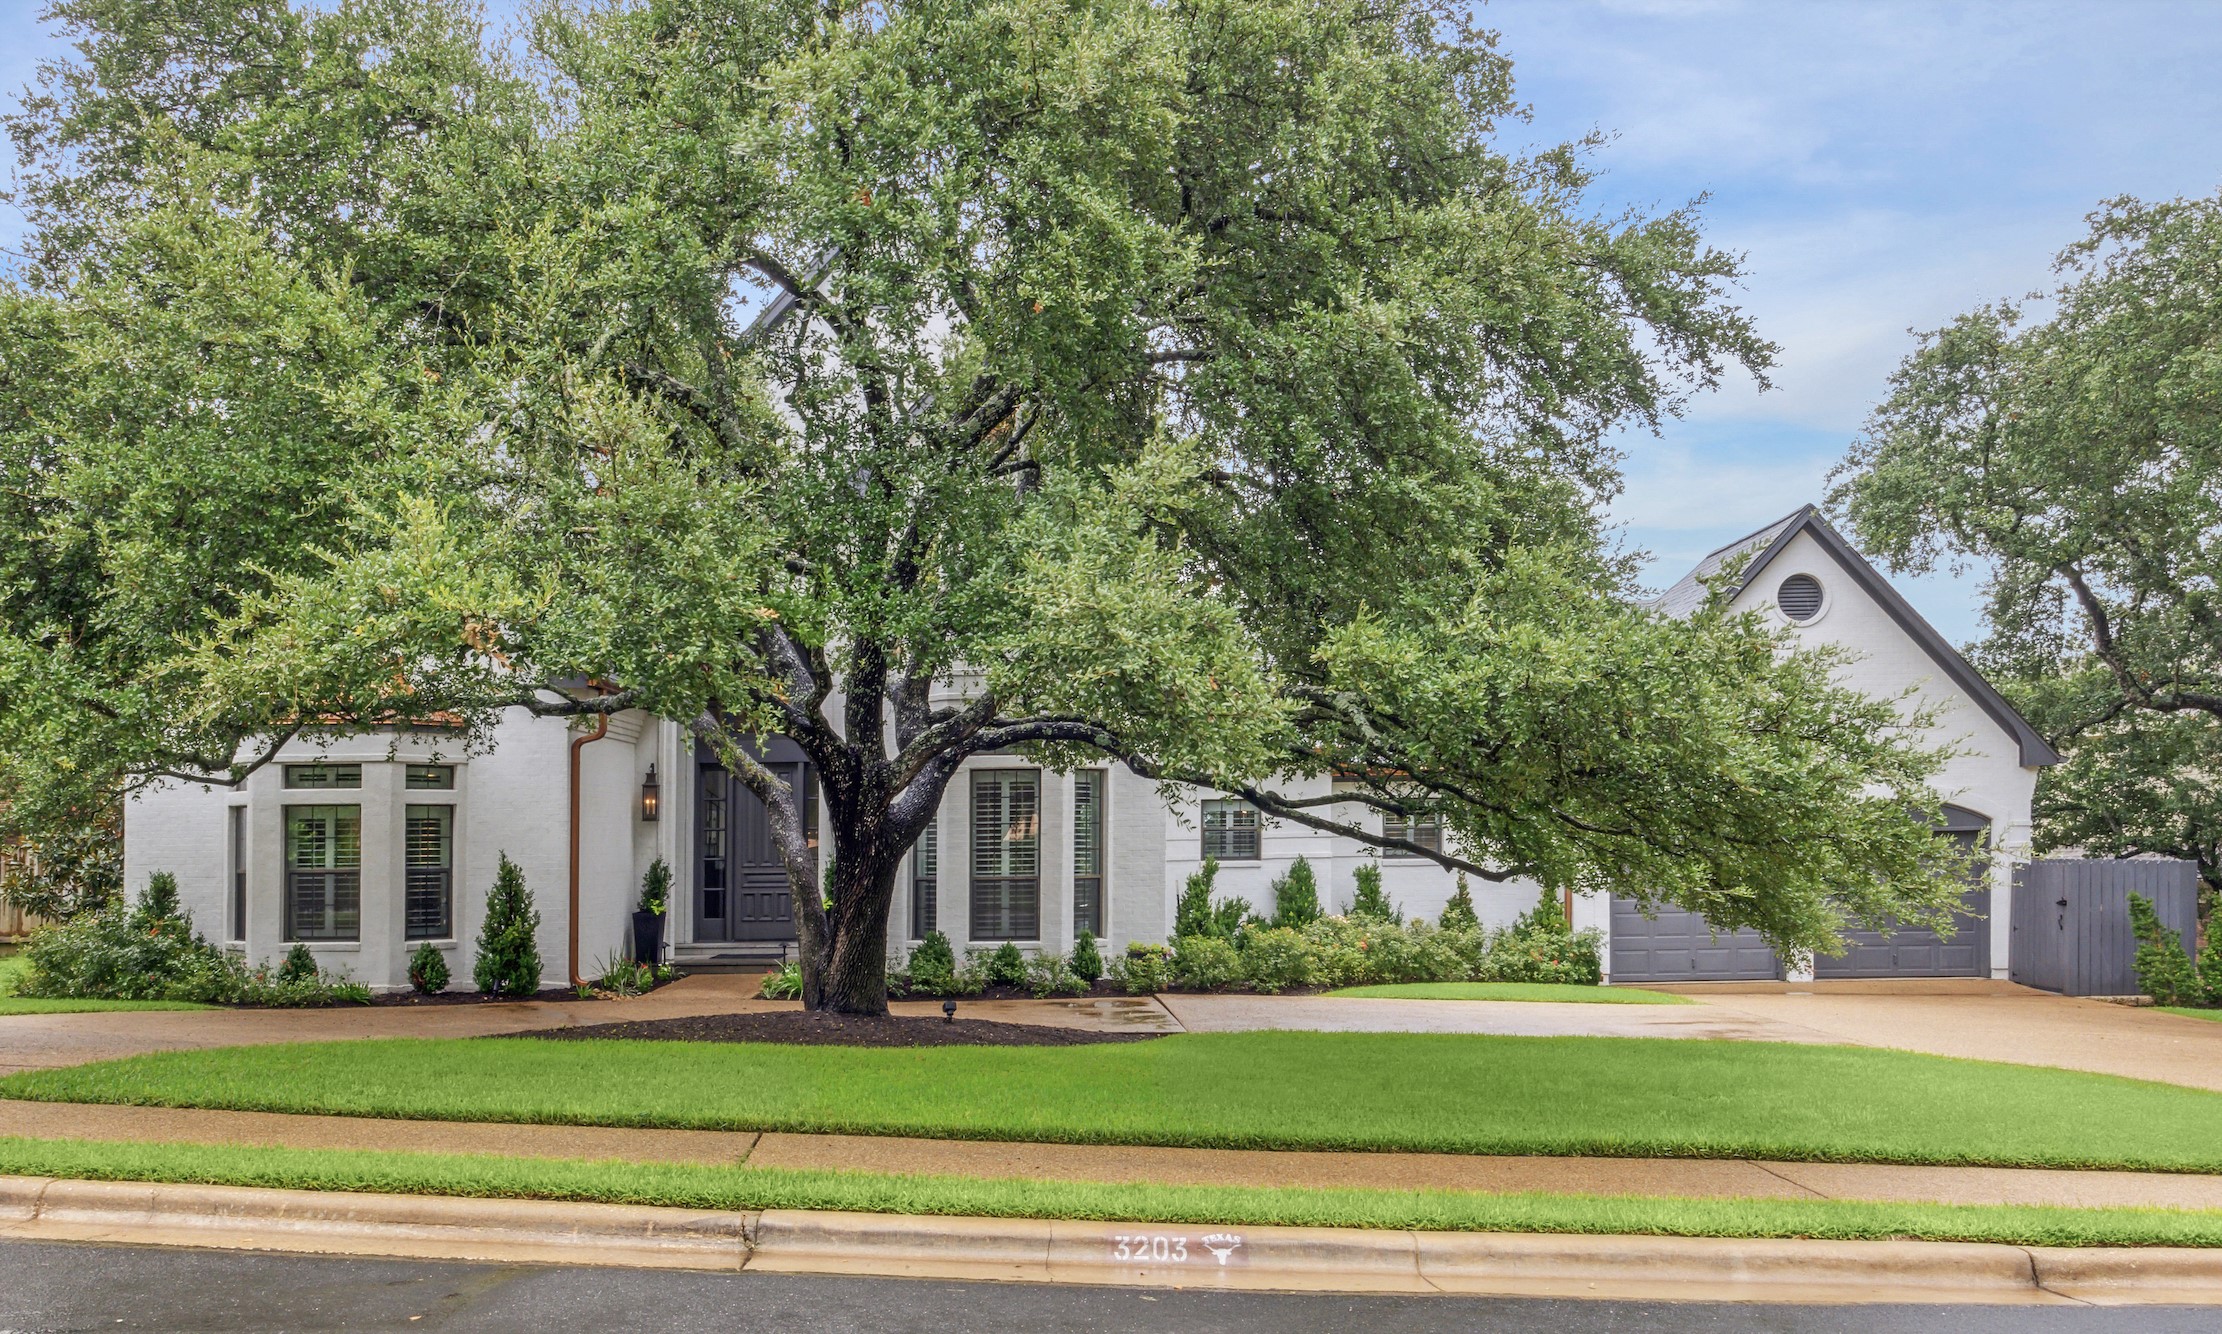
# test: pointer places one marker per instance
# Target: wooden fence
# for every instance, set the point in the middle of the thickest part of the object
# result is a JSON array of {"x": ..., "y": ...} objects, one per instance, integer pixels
[{"x": 14, "y": 922}]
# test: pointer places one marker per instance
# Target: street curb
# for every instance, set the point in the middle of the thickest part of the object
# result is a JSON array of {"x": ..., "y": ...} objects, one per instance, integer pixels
[{"x": 1138, "y": 1255}]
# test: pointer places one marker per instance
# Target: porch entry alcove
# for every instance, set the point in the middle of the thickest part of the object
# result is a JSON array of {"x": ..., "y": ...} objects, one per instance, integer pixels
[{"x": 740, "y": 884}]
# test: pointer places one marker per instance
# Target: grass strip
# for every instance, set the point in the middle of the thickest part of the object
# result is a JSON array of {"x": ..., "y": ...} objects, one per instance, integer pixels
[
  {"x": 1513, "y": 991},
  {"x": 1654, "y": 1097},
  {"x": 2189, "y": 1013},
  {"x": 742, "y": 1188}
]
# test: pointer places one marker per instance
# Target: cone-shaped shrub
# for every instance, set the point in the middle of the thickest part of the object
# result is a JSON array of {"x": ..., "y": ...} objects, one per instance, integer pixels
[
  {"x": 1296, "y": 896},
  {"x": 508, "y": 944},
  {"x": 1087, "y": 960},
  {"x": 428, "y": 970}
]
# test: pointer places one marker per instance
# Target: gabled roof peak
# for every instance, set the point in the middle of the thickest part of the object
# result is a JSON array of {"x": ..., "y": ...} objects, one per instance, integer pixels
[{"x": 1689, "y": 593}]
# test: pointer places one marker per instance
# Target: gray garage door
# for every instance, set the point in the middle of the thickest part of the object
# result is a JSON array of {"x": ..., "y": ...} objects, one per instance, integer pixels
[
  {"x": 1677, "y": 946},
  {"x": 1914, "y": 952}
]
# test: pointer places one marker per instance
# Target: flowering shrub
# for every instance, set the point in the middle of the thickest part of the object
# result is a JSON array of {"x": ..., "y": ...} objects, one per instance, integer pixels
[
  {"x": 1205, "y": 963},
  {"x": 1275, "y": 959}
]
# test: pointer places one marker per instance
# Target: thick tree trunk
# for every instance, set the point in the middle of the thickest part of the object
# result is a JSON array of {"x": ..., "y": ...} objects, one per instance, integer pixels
[{"x": 844, "y": 968}]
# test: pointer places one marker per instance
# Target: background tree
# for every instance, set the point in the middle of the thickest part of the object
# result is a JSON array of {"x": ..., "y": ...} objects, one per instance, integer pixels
[
  {"x": 1196, "y": 383},
  {"x": 2080, "y": 455}
]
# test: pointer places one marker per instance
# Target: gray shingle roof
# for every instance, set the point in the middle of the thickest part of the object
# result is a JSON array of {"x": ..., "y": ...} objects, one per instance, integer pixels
[{"x": 1688, "y": 593}]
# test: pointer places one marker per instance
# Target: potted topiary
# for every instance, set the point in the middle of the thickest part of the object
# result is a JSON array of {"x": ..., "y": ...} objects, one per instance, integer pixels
[{"x": 648, "y": 920}]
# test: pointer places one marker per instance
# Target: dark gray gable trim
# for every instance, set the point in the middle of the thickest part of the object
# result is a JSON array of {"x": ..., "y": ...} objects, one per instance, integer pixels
[{"x": 2035, "y": 752}]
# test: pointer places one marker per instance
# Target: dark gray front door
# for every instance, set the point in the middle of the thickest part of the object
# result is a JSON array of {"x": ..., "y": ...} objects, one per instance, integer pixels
[
  {"x": 741, "y": 888},
  {"x": 1678, "y": 946},
  {"x": 1916, "y": 951}
]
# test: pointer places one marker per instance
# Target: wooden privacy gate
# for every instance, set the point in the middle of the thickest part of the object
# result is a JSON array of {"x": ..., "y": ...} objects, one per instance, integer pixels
[{"x": 2071, "y": 920}]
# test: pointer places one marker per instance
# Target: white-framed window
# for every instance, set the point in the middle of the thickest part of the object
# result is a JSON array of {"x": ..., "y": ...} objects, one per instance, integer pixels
[
  {"x": 323, "y": 872},
  {"x": 1425, "y": 829},
  {"x": 1231, "y": 830}
]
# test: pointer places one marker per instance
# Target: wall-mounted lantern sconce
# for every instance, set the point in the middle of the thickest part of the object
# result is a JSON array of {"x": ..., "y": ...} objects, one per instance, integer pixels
[{"x": 651, "y": 797}]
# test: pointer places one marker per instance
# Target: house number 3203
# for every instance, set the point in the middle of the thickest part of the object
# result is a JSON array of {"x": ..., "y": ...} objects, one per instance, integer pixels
[{"x": 1145, "y": 1246}]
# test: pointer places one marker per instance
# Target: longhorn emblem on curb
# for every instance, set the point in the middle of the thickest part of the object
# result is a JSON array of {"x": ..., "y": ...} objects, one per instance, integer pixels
[{"x": 1221, "y": 1245}]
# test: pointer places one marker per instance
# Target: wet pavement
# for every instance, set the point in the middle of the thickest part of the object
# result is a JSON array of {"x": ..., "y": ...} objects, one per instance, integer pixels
[
  {"x": 88, "y": 1285},
  {"x": 1355, "y": 1014}
]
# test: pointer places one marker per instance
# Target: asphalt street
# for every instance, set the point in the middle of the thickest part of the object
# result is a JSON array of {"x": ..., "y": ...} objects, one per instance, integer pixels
[{"x": 77, "y": 1286}]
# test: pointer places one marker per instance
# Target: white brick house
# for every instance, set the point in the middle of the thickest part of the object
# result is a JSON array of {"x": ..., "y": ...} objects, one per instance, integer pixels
[{"x": 366, "y": 847}]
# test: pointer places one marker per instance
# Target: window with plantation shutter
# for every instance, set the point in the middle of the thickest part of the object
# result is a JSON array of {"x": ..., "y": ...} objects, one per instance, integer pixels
[
  {"x": 1087, "y": 852},
  {"x": 323, "y": 872},
  {"x": 1230, "y": 831},
  {"x": 925, "y": 861},
  {"x": 1006, "y": 854},
  {"x": 1425, "y": 829},
  {"x": 429, "y": 886}
]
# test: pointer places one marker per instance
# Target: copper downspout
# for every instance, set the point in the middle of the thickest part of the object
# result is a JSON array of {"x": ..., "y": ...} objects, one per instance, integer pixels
[{"x": 601, "y": 729}]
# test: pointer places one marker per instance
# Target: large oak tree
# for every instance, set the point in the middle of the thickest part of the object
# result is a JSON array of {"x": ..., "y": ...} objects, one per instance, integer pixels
[
  {"x": 2075, "y": 445},
  {"x": 1203, "y": 384}
]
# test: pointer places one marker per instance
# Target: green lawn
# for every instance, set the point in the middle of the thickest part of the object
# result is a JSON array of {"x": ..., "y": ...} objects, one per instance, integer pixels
[
  {"x": 1372, "y": 1091},
  {"x": 2189, "y": 1013},
  {"x": 12, "y": 967},
  {"x": 739, "y": 1188},
  {"x": 1514, "y": 991}
]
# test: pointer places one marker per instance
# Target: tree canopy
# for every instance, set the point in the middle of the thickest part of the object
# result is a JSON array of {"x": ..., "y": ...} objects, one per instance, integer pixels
[
  {"x": 1199, "y": 383},
  {"x": 2074, "y": 442}
]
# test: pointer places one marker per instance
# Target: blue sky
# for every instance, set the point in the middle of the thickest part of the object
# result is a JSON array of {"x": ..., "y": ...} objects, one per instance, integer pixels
[{"x": 1882, "y": 166}]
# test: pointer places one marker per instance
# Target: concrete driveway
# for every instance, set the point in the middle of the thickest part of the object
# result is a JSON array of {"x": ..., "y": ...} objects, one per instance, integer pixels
[
  {"x": 1539, "y": 1019},
  {"x": 1985, "y": 1021},
  {"x": 1982, "y": 1020}
]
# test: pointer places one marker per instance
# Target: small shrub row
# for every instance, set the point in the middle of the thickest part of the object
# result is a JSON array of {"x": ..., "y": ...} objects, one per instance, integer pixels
[
  {"x": 1224, "y": 951},
  {"x": 1354, "y": 951},
  {"x": 149, "y": 951}
]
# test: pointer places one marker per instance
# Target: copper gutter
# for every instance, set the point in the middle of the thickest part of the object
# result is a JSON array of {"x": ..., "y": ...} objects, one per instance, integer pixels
[{"x": 601, "y": 729}]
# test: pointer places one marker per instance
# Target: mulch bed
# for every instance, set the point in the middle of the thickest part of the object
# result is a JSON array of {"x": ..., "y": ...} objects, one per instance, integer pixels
[
  {"x": 411, "y": 997},
  {"x": 805, "y": 1028}
]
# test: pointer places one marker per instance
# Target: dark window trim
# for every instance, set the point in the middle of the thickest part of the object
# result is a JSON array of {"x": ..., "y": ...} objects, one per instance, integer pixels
[
  {"x": 925, "y": 866},
  {"x": 1231, "y": 837},
  {"x": 421, "y": 883},
  {"x": 1005, "y": 907},
  {"x": 337, "y": 885},
  {"x": 1425, "y": 829}
]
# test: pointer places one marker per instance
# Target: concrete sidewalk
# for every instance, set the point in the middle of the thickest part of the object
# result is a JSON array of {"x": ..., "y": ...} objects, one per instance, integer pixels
[{"x": 1698, "y": 1178}]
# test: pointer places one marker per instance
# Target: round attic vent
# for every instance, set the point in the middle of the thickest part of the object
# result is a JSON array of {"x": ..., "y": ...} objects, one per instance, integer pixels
[{"x": 1799, "y": 597}]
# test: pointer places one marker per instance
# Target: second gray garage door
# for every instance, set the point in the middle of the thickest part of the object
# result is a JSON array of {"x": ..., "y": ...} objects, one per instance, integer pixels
[
  {"x": 1912, "y": 952},
  {"x": 1909, "y": 952},
  {"x": 1677, "y": 946}
]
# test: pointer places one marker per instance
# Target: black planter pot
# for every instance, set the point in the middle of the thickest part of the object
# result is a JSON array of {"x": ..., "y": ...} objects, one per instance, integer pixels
[{"x": 648, "y": 938}]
